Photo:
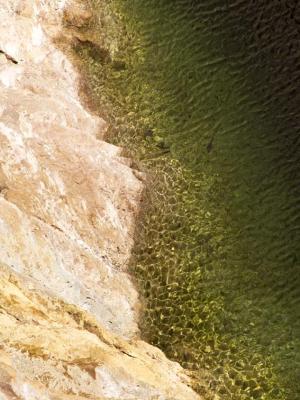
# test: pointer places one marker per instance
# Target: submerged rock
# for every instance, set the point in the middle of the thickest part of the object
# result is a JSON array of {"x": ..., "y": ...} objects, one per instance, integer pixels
[{"x": 68, "y": 201}]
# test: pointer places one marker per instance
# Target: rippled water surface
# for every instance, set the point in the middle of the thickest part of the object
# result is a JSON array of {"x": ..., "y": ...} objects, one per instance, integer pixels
[{"x": 206, "y": 96}]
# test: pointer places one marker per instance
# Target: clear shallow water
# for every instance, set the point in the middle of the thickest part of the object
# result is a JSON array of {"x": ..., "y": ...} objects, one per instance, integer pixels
[{"x": 206, "y": 97}]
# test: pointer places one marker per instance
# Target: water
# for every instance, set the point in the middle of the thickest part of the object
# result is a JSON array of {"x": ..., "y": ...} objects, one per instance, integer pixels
[{"x": 205, "y": 96}]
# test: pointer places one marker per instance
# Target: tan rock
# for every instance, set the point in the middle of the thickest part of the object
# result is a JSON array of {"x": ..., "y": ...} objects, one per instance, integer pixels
[
  {"x": 68, "y": 201},
  {"x": 77, "y": 14}
]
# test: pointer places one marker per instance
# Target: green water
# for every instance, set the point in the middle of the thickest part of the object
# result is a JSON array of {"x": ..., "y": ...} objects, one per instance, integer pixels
[{"x": 205, "y": 97}]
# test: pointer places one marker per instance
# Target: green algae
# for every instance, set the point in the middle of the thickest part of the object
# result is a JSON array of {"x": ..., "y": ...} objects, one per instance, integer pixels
[{"x": 209, "y": 255}]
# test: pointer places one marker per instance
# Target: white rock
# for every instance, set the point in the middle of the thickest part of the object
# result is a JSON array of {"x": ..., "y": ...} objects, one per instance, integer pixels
[{"x": 68, "y": 202}]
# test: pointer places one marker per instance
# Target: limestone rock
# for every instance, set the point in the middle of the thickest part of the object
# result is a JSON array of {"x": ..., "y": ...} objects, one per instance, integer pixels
[
  {"x": 68, "y": 201},
  {"x": 77, "y": 14}
]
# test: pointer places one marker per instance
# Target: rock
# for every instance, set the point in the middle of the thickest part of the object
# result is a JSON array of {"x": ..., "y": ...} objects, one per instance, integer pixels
[
  {"x": 148, "y": 133},
  {"x": 77, "y": 14},
  {"x": 68, "y": 203},
  {"x": 24, "y": 8},
  {"x": 118, "y": 65}
]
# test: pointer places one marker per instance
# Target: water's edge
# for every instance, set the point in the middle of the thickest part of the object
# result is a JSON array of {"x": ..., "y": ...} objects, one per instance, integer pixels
[{"x": 186, "y": 243}]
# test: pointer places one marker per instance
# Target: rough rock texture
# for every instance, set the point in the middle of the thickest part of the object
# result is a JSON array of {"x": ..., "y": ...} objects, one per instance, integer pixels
[{"x": 68, "y": 310}]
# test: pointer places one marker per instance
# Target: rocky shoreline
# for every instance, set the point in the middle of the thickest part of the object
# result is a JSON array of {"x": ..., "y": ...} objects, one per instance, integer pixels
[{"x": 69, "y": 200}]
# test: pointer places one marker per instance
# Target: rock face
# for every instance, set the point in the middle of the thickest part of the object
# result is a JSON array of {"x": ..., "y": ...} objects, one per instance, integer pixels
[{"x": 68, "y": 200}]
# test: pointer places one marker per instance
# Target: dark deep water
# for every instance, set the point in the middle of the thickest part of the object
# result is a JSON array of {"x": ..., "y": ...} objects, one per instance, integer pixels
[{"x": 216, "y": 84}]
